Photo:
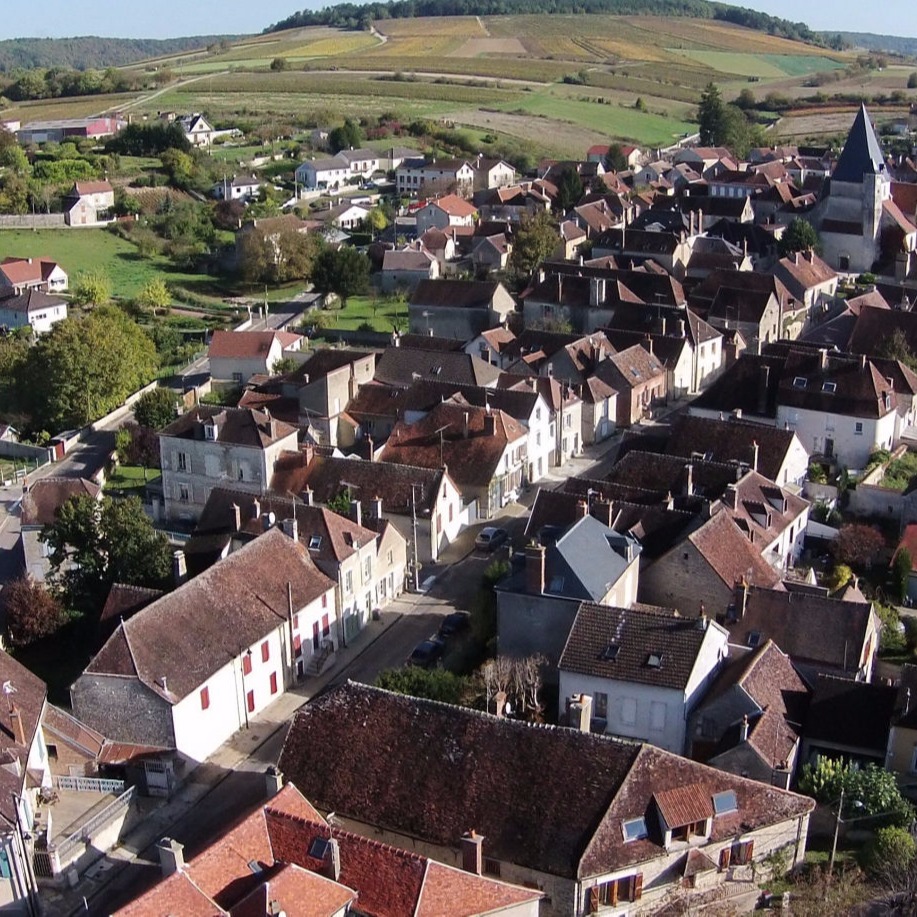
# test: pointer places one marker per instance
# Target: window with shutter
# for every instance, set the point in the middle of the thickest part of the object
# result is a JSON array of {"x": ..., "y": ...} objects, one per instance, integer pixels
[
  {"x": 637, "y": 888},
  {"x": 205, "y": 698},
  {"x": 265, "y": 651},
  {"x": 594, "y": 901},
  {"x": 725, "y": 858}
]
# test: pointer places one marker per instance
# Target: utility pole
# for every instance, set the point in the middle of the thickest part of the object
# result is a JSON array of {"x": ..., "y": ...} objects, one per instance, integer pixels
[
  {"x": 414, "y": 528},
  {"x": 837, "y": 828}
]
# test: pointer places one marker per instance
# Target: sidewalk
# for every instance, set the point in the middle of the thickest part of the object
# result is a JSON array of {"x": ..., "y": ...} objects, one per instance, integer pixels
[{"x": 237, "y": 752}]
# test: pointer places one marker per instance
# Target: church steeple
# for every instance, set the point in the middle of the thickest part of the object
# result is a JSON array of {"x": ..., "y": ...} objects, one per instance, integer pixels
[{"x": 862, "y": 154}]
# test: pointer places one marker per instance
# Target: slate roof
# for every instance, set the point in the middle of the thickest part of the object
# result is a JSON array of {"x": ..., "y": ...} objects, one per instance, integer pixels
[
  {"x": 400, "y": 366},
  {"x": 455, "y": 294},
  {"x": 432, "y": 771},
  {"x": 390, "y": 481},
  {"x": 46, "y": 496},
  {"x": 323, "y": 361},
  {"x": 667, "y": 473},
  {"x": 851, "y": 713},
  {"x": 238, "y": 426},
  {"x": 862, "y": 153},
  {"x": 875, "y": 326},
  {"x": 809, "y": 629},
  {"x": 30, "y": 300},
  {"x": 472, "y": 460},
  {"x": 190, "y": 633},
  {"x": 630, "y": 635}
]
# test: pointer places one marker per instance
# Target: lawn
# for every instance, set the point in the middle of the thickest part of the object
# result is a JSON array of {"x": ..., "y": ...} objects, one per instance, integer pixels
[
  {"x": 899, "y": 473},
  {"x": 130, "y": 479},
  {"x": 94, "y": 249},
  {"x": 374, "y": 309}
]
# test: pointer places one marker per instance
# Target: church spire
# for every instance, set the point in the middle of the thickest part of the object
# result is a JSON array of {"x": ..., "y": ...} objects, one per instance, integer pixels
[{"x": 862, "y": 154}]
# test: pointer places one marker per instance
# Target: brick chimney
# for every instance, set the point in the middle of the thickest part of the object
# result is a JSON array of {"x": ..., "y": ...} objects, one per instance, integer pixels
[
  {"x": 171, "y": 856},
  {"x": 490, "y": 424},
  {"x": 331, "y": 866},
  {"x": 16, "y": 725},
  {"x": 731, "y": 496},
  {"x": 535, "y": 569},
  {"x": 582, "y": 509},
  {"x": 473, "y": 852},
  {"x": 273, "y": 780}
]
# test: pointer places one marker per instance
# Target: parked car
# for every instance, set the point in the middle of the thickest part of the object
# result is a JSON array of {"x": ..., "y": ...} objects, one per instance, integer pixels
[
  {"x": 490, "y": 538},
  {"x": 427, "y": 653},
  {"x": 454, "y": 624}
]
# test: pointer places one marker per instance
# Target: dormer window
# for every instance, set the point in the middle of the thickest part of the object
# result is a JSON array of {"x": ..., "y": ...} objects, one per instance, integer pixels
[
  {"x": 829, "y": 387},
  {"x": 754, "y": 639},
  {"x": 800, "y": 382},
  {"x": 210, "y": 431}
]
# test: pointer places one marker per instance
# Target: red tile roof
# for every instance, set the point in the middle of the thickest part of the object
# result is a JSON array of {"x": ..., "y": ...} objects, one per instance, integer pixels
[
  {"x": 27, "y": 270},
  {"x": 93, "y": 187},
  {"x": 731, "y": 555},
  {"x": 46, "y": 496},
  {"x": 248, "y": 344},
  {"x": 454, "y": 205},
  {"x": 176, "y": 895},
  {"x": 684, "y": 805}
]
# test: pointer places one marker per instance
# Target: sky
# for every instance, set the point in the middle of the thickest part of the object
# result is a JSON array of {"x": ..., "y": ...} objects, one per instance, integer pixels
[{"x": 173, "y": 18}]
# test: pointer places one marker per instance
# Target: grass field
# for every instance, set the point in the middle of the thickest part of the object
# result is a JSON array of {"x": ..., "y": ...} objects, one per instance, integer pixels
[
  {"x": 94, "y": 249},
  {"x": 376, "y": 309}
]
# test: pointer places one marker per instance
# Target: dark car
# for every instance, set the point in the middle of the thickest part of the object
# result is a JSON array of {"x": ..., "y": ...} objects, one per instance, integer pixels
[
  {"x": 454, "y": 624},
  {"x": 490, "y": 538},
  {"x": 426, "y": 654}
]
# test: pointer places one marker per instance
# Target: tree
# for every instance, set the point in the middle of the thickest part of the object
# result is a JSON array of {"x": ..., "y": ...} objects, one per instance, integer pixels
[
  {"x": 569, "y": 189},
  {"x": 894, "y": 346},
  {"x": 154, "y": 295},
  {"x": 484, "y": 604},
  {"x": 535, "y": 240},
  {"x": 799, "y": 236},
  {"x": 868, "y": 791},
  {"x": 433, "y": 684},
  {"x": 92, "y": 288},
  {"x": 615, "y": 160},
  {"x": 901, "y": 573},
  {"x": 32, "y": 612},
  {"x": 155, "y": 409},
  {"x": 93, "y": 545},
  {"x": 912, "y": 80},
  {"x": 711, "y": 114},
  {"x": 343, "y": 271},
  {"x": 347, "y": 136},
  {"x": 295, "y": 255},
  {"x": 280, "y": 63},
  {"x": 840, "y": 576},
  {"x": 746, "y": 100},
  {"x": 857, "y": 545},
  {"x": 255, "y": 256},
  {"x": 85, "y": 367},
  {"x": 283, "y": 365},
  {"x": 376, "y": 220}
]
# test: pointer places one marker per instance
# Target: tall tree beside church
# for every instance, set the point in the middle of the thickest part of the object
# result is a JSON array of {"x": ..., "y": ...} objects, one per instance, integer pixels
[{"x": 711, "y": 115}]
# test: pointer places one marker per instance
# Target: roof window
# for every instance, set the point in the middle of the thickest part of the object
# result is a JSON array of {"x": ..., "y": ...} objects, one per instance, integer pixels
[
  {"x": 610, "y": 653},
  {"x": 315, "y": 542},
  {"x": 800, "y": 382},
  {"x": 754, "y": 639},
  {"x": 654, "y": 660},
  {"x": 635, "y": 829},
  {"x": 318, "y": 848},
  {"x": 829, "y": 387},
  {"x": 725, "y": 802}
]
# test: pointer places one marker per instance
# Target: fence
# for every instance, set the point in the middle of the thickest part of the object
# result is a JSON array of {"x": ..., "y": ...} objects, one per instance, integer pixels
[
  {"x": 31, "y": 221},
  {"x": 90, "y": 784},
  {"x": 75, "y": 843}
]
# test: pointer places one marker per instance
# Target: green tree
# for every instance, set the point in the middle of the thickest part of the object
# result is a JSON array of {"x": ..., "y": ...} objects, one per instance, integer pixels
[
  {"x": 280, "y": 63},
  {"x": 615, "y": 160},
  {"x": 155, "y": 409},
  {"x": 868, "y": 791},
  {"x": 894, "y": 346},
  {"x": 92, "y": 288},
  {"x": 294, "y": 255},
  {"x": 569, "y": 189},
  {"x": 154, "y": 295},
  {"x": 376, "y": 220},
  {"x": 343, "y": 271},
  {"x": 711, "y": 114},
  {"x": 840, "y": 576},
  {"x": 746, "y": 100},
  {"x": 345, "y": 137},
  {"x": 901, "y": 573},
  {"x": 283, "y": 365},
  {"x": 84, "y": 367},
  {"x": 94, "y": 544},
  {"x": 433, "y": 684},
  {"x": 536, "y": 239},
  {"x": 799, "y": 236},
  {"x": 912, "y": 80},
  {"x": 32, "y": 612},
  {"x": 255, "y": 257},
  {"x": 484, "y": 605}
]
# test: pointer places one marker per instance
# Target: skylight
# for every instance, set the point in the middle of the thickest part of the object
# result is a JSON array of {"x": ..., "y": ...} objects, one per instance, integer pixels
[
  {"x": 635, "y": 829},
  {"x": 800, "y": 382},
  {"x": 654, "y": 660},
  {"x": 725, "y": 802},
  {"x": 754, "y": 638},
  {"x": 610, "y": 653},
  {"x": 315, "y": 542},
  {"x": 829, "y": 387},
  {"x": 318, "y": 848}
]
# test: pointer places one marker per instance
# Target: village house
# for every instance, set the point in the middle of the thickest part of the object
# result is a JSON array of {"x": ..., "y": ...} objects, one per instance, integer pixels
[
  {"x": 197, "y": 129},
  {"x": 89, "y": 203},
  {"x": 445, "y": 212},
  {"x": 751, "y": 720},
  {"x": 657, "y": 828},
  {"x": 193, "y": 667},
  {"x": 419, "y": 502},
  {"x": 421, "y": 177},
  {"x": 367, "y": 566},
  {"x": 459, "y": 309},
  {"x": 308, "y": 867},
  {"x": 484, "y": 451},
  {"x": 210, "y": 445},
  {"x": 639, "y": 378},
  {"x": 645, "y": 669},
  {"x": 32, "y": 309},
  {"x": 401, "y": 366},
  {"x": 809, "y": 280},
  {"x": 19, "y": 275},
  {"x": 585, "y": 562},
  {"x": 404, "y": 268},
  {"x": 236, "y": 356},
  {"x": 238, "y": 188}
]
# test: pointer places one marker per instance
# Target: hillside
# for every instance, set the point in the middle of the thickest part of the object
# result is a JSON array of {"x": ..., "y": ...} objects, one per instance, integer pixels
[
  {"x": 360, "y": 15},
  {"x": 94, "y": 52},
  {"x": 895, "y": 44}
]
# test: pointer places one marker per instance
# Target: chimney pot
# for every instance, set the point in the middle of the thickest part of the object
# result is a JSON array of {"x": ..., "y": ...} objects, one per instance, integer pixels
[
  {"x": 291, "y": 527},
  {"x": 171, "y": 856},
  {"x": 273, "y": 780}
]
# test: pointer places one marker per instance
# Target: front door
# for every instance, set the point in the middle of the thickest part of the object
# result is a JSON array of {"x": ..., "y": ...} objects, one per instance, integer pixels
[{"x": 829, "y": 447}]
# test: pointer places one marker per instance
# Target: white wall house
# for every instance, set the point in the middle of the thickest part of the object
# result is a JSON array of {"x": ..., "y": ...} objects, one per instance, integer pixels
[
  {"x": 32, "y": 309},
  {"x": 321, "y": 174},
  {"x": 634, "y": 666}
]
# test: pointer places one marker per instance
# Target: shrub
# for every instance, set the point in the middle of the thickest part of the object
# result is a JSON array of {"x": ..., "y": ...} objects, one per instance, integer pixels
[
  {"x": 891, "y": 853},
  {"x": 840, "y": 576},
  {"x": 901, "y": 573},
  {"x": 816, "y": 474}
]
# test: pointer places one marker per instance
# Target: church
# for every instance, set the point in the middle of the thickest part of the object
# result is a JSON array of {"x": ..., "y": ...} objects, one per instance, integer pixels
[{"x": 861, "y": 227}]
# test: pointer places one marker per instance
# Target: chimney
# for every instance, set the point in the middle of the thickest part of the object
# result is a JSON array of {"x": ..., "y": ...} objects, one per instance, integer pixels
[
  {"x": 603, "y": 510},
  {"x": 179, "y": 567},
  {"x": 273, "y": 780},
  {"x": 331, "y": 867},
  {"x": 490, "y": 424},
  {"x": 579, "y": 712},
  {"x": 731, "y": 497},
  {"x": 689, "y": 479},
  {"x": 256, "y": 508},
  {"x": 376, "y": 504},
  {"x": 171, "y": 856},
  {"x": 743, "y": 729},
  {"x": 473, "y": 852},
  {"x": 267, "y": 521},
  {"x": 741, "y": 598},
  {"x": 582, "y": 509},
  {"x": 291, "y": 527},
  {"x": 754, "y": 455},
  {"x": 236, "y": 517},
  {"x": 862, "y": 361},
  {"x": 681, "y": 327},
  {"x": 764, "y": 375},
  {"x": 534, "y": 569},
  {"x": 356, "y": 512},
  {"x": 648, "y": 345},
  {"x": 308, "y": 496},
  {"x": 16, "y": 725},
  {"x": 823, "y": 358},
  {"x": 465, "y": 425}
]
